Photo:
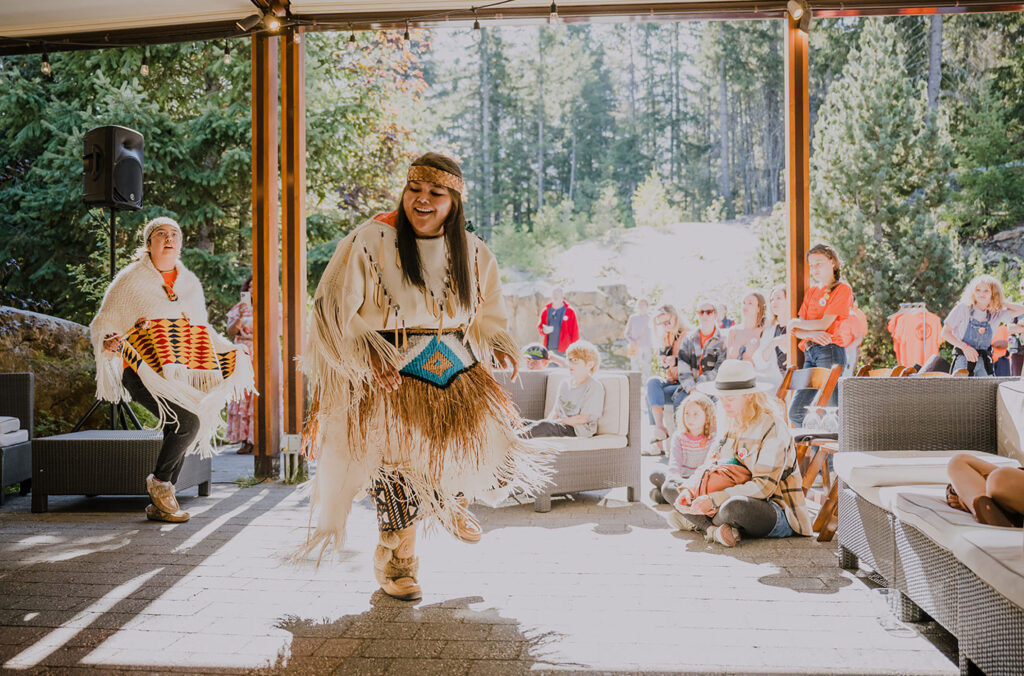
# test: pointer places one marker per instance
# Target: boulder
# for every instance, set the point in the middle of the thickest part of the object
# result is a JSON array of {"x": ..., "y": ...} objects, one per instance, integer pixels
[
  {"x": 602, "y": 315},
  {"x": 60, "y": 355}
]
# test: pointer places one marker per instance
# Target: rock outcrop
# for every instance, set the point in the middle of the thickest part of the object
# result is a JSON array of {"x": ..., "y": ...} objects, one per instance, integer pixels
[
  {"x": 60, "y": 355},
  {"x": 602, "y": 315}
]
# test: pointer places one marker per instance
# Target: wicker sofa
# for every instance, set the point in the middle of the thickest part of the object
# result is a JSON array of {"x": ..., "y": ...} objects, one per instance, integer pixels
[
  {"x": 609, "y": 459},
  {"x": 896, "y": 437},
  {"x": 16, "y": 400}
]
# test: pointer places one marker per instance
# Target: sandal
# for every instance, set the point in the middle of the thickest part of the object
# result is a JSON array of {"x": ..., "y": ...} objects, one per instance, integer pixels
[{"x": 659, "y": 434}]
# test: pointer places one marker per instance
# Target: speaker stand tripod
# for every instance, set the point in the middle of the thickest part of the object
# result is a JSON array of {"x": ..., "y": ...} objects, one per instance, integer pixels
[{"x": 120, "y": 409}]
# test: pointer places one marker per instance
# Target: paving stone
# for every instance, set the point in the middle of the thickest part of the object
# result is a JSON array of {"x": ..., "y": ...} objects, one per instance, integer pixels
[{"x": 388, "y": 647}]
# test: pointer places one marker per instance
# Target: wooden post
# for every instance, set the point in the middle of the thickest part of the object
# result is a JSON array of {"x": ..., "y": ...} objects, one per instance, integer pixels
[
  {"x": 293, "y": 234},
  {"x": 266, "y": 291},
  {"x": 798, "y": 176}
]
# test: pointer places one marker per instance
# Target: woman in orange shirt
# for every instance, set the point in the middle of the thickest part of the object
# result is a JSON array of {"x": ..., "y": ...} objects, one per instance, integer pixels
[{"x": 820, "y": 321}]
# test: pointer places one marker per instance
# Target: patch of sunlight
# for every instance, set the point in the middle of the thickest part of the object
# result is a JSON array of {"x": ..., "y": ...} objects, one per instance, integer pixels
[
  {"x": 73, "y": 548},
  {"x": 211, "y": 527},
  {"x": 41, "y": 649}
]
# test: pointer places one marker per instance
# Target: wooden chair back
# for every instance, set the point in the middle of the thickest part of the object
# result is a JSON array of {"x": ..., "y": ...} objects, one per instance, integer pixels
[
  {"x": 817, "y": 378},
  {"x": 894, "y": 372}
]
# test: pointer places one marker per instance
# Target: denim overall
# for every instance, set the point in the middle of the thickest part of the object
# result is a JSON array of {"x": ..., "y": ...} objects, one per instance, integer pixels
[{"x": 979, "y": 336}]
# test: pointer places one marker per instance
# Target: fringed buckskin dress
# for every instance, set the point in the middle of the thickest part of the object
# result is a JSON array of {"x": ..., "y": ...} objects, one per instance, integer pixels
[{"x": 449, "y": 430}]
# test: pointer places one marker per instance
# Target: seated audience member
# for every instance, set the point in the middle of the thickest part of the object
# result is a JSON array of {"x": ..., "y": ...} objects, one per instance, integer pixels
[
  {"x": 994, "y": 495},
  {"x": 778, "y": 303},
  {"x": 701, "y": 351},
  {"x": 580, "y": 399},
  {"x": 972, "y": 323},
  {"x": 755, "y": 433},
  {"x": 539, "y": 358},
  {"x": 661, "y": 390},
  {"x": 750, "y": 340},
  {"x": 688, "y": 447},
  {"x": 723, "y": 316}
]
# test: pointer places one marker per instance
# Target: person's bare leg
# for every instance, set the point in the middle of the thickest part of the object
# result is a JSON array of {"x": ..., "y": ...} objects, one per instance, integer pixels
[
  {"x": 967, "y": 474},
  {"x": 1005, "y": 485},
  {"x": 659, "y": 418}
]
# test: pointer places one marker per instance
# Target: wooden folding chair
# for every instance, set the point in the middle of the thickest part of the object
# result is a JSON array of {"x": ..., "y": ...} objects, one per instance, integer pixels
[{"x": 820, "y": 446}]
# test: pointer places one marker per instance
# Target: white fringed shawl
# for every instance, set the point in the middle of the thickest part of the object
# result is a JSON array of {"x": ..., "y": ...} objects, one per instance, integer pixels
[{"x": 137, "y": 293}]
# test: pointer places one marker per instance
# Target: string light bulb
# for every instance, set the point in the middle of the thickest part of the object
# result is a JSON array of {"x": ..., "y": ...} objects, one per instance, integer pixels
[
  {"x": 406, "y": 37},
  {"x": 45, "y": 67},
  {"x": 476, "y": 21},
  {"x": 227, "y": 55},
  {"x": 144, "y": 68},
  {"x": 553, "y": 15},
  {"x": 351, "y": 40}
]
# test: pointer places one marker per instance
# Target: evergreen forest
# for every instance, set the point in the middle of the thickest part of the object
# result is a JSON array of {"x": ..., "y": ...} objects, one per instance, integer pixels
[{"x": 564, "y": 132}]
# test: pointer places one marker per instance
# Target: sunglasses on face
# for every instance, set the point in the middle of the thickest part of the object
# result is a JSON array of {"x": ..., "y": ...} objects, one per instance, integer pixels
[
  {"x": 665, "y": 322},
  {"x": 705, "y": 312}
]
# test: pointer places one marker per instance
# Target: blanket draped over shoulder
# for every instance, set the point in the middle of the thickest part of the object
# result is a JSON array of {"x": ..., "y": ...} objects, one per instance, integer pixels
[{"x": 170, "y": 344}]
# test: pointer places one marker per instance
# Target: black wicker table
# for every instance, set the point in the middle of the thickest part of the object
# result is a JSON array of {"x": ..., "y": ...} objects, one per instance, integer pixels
[{"x": 105, "y": 462}]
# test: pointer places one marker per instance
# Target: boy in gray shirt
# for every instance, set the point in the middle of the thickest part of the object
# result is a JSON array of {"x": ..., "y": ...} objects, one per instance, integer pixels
[{"x": 580, "y": 399}]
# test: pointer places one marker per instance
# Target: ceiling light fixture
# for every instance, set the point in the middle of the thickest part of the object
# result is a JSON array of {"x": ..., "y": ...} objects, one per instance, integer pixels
[
  {"x": 45, "y": 67},
  {"x": 553, "y": 14},
  {"x": 144, "y": 68},
  {"x": 249, "y": 22},
  {"x": 227, "y": 55}
]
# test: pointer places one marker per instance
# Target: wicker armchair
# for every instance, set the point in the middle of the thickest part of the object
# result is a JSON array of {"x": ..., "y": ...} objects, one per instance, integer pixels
[
  {"x": 17, "y": 391},
  {"x": 903, "y": 533},
  {"x": 593, "y": 468}
]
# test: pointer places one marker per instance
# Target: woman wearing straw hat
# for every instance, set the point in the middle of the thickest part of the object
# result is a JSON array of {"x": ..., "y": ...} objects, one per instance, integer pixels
[{"x": 756, "y": 434}]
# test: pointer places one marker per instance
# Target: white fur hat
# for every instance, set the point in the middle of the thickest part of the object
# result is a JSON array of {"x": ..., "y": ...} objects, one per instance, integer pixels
[{"x": 156, "y": 223}]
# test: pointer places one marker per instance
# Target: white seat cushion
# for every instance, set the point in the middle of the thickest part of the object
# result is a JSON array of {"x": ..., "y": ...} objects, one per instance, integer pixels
[
  {"x": 861, "y": 469},
  {"x": 9, "y": 424},
  {"x": 595, "y": 443},
  {"x": 12, "y": 438},
  {"x": 885, "y": 496},
  {"x": 614, "y": 418},
  {"x": 932, "y": 516},
  {"x": 1010, "y": 420},
  {"x": 996, "y": 555}
]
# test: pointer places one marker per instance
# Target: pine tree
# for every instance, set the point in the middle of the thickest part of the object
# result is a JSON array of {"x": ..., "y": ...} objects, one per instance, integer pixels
[{"x": 878, "y": 176}]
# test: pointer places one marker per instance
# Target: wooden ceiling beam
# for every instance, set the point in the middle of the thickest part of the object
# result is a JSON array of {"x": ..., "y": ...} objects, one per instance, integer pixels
[{"x": 364, "y": 20}]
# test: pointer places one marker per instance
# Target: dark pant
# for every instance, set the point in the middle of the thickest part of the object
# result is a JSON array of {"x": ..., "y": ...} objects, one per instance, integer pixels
[
  {"x": 667, "y": 487},
  {"x": 824, "y": 356},
  {"x": 753, "y": 518},
  {"x": 546, "y": 428},
  {"x": 178, "y": 435}
]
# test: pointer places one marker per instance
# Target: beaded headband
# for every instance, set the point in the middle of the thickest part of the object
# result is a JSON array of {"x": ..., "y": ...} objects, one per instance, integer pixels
[{"x": 438, "y": 177}]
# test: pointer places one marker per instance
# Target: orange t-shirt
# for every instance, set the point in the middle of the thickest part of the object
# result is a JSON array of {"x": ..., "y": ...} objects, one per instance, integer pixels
[{"x": 819, "y": 301}]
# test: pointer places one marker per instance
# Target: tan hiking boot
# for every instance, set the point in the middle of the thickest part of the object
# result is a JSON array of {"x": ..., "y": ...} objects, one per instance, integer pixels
[
  {"x": 395, "y": 566},
  {"x": 154, "y": 513},
  {"x": 162, "y": 494}
]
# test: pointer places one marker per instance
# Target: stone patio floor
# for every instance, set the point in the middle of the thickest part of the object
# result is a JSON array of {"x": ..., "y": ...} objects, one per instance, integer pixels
[{"x": 595, "y": 585}]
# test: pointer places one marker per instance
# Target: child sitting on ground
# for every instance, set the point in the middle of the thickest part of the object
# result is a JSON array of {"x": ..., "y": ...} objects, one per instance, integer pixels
[
  {"x": 688, "y": 448},
  {"x": 580, "y": 399}
]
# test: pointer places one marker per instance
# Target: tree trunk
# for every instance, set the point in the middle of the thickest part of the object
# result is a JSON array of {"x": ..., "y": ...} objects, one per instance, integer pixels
[
  {"x": 724, "y": 187},
  {"x": 572, "y": 160},
  {"x": 485, "y": 138},
  {"x": 934, "y": 62},
  {"x": 204, "y": 237},
  {"x": 540, "y": 119}
]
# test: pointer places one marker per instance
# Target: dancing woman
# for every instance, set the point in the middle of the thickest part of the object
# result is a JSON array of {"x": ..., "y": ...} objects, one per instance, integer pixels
[
  {"x": 406, "y": 322},
  {"x": 153, "y": 343}
]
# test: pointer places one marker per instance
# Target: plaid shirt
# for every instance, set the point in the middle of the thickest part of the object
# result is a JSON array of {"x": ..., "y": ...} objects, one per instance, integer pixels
[{"x": 766, "y": 449}]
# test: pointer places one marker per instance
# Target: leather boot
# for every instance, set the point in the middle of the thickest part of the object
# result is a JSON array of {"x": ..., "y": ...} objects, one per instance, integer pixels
[
  {"x": 467, "y": 528},
  {"x": 396, "y": 566}
]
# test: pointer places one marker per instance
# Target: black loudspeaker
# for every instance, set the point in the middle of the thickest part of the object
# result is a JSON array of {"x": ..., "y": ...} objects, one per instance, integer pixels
[{"x": 113, "y": 167}]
